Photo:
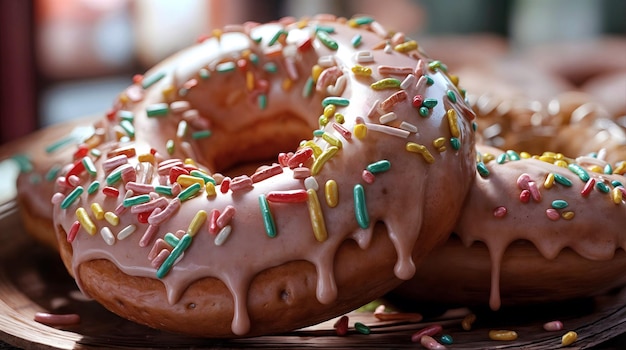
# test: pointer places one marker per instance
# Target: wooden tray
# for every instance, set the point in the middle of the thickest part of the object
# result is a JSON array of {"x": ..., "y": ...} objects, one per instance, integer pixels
[{"x": 33, "y": 279}]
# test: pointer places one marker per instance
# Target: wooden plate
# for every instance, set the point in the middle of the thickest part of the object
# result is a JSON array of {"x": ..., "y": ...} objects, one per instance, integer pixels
[{"x": 33, "y": 279}]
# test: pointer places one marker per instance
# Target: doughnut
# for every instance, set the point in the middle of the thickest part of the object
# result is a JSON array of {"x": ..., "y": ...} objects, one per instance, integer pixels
[
  {"x": 361, "y": 149},
  {"x": 536, "y": 227}
]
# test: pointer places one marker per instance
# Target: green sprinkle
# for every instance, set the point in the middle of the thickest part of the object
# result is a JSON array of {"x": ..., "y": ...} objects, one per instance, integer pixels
[
  {"x": 361, "y": 328},
  {"x": 203, "y": 176},
  {"x": 189, "y": 192},
  {"x": 183, "y": 91},
  {"x": 503, "y": 158},
  {"x": 204, "y": 74},
  {"x": 559, "y": 204},
  {"x": 276, "y": 36},
  {"x": 59, "y": 144},
  {"x": 379, "y": 167},
  {"x": 327, "y": 29},
  {"x": 126, "y": 115},
  {"x": 616, "y": 183},
  {"x": 608, "y": 169},
  {"x": 169, "y": 145},
  {"x": 128, "y": 127},
  {"x": 95, "y": 152},
  {"x": 262, "y": 101},
  {"x": 514, "y": 156},
  {"x": 356, "y": 40},
  {"x": 429, "y": 103},
  {"x": 474, "y": 126},
  {"x": 226, "y": 67},
  {"x": 318, "y": 133},
  {"x": 53, "y": 172},
  {"x": 579, "y": 171},
  {"x": 171, "y": 239},
  {"x": 325, "y": 38},
  {"x": 150, "y": 80},
  {"x": 424, "y": 111},
  {"x": 157, "y": 110},
  {"x": 34, "y": 178},
  {"x": 270, "y": 67},
  {"x": 562, "y": 180},
  {"x": 184, "y": 243},
  {"x": 360, "y": 207},
  {"x": 114, "y": 176},
  {"x": 93, "y": 187},
  {"x": 202, "y": 134},
  {"x": 363, "y": 20},
  {"x": 268, "y": 219},
  {"x": 307, "y": 90},
  {"x": 338, "y": 101},
  {"x": 451, "y": 96},
  {"x": 164, "y": 190},
  {"x": 386, "y": 83},
  {"x": 446, "y": 339},
  {"x": 434, "y": 65},
  {"x": 130, "y": 201},
  {"x": 89, "y": 166},
  {"x": 602, "y": 187},
  {"x": 456, "y": 143},
  {"x": 482, "y": 169},
  {"x": 429, "y": 80},
  {"x": 254, "y": 58},
  {"x": 72, "y": 197}
]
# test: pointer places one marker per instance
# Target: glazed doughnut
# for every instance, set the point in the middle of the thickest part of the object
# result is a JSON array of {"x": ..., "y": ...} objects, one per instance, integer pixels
[
  {"x": 540, "y": 228},
  {"x": 373, "y": 152}
]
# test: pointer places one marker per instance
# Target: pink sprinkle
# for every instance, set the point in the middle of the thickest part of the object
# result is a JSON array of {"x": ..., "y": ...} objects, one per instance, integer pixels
[
  {"x": 429, "y": 331},
  {"x": 417, "y": 101},
  {"x": 158, "y": 246},
  {"x": 500, "y": 212},
  {"x": 114, "y": 162},
  {"x": 391, "y": 70},
  {"x": 553, "y": 326},
  {"x": 524, "y": 196},
  {"x": 73, "y": 180},
  {"x": 57, "y": 198},
  {"x": 62, "y": 183},
  {"x": 71, "y": 235},
  {"x": 368, "y": 177},
  {"x": 388, "y": 104},
  {"x": 343, "y": 131},
  {"x": 165, "y": 166},
  {"x": 430, "y": 343},
  {"x": 176, "y": 188},
  {"x": 300, "y": 157},
  {"x": 241, "y": 183},
  {"x": 283, "y": 158},
  {"x": 172, "y": 207},
  {"x": 522, "y": 181},
  {"x": 292, "y": 70},
  {"x": 150, "y": 232},
  {"x": 266, "y": 173},
  {"x": 327, "y": 77},
  {"x": 213, "y": 227},
  {"x": 139, "y": 188},
  {"x": 534, "y": 191},
  {"x": 135, "y": 93},
  {"x": 553, "y": 214},
  {"x": 57, "y": 320},
  {"x": 301, "y": 173},
  {"x": 420, "y": 68},
  {"x": 120, "y": 209},
  {"x": 226, "y": 216},
  {"x": 160, "y": 258},
  {"x": 129, "y": 174},
  {"x": 588, "y": 187},
  {"x": 158, "y": 203}
]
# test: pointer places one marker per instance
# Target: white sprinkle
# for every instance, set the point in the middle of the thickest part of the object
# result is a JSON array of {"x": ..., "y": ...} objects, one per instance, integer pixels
[
  {"x": 126, "y": 231},
  {"x": 379, "y": 29},
  {"x": 222, "y": 236},
  {"x": 181, "y": 131},
  {"x": 388, "y": 130},
  {"x": 107, "y": 235},
  {"x": 408, "y": 82},
  {"x": 386, "y": 118},
  {"x": 311, "y": 183},
  {"x": 364, "y": 57},
  {"x": 179, "y": 106},
  {"x": 408, "y": 127},
  {"x": 326, "y": 61},
  {"x": 388, "y": 48},
  {"x": 586, "y": 160},
  {"x": 337, "y": 89},
  {"x": 373, "y": 109},
  {"x": 421, "y": 84}
]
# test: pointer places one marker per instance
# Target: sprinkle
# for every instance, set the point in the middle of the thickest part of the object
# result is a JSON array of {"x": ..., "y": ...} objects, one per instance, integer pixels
[
  {"x": 189, "y": 192},
  {"x": 241, "y": 183},
  {"x": 197, "y": 222},
  {"x": 359, "y": 21},
  {"x": 514, "y": 156},
  {"x": 602, "y": 187},
  {"x": 368, "y": 177},
  {"x": 325, "y": 38},
  {"x": 111, "y": 192},
  {"x": 338, "y": 101},
  {"x": 568, "y": 215},
  {"x": 549, "y": 181},
  {"x": 389, "y": 130},
  {"x": 266, "y": 173},
  {"x": 452, "y": 121},
  {"x": 428, "y": 331},
  {"x": 482, "y": 169},
  {"x": 364, "y": 57},
  {"x": 97, "y": 211},
  {"x": 406, "y": 46},
  {"x": 379, "y": 166},
  {"x": 262, "y": 101},
  {"x": 333, "y": 141},
  {"x": 341, "y": 326},
  {"x": 339, "y": 87},
  {"x": 356, "y": 40},
  {"x": 187, "y": 180},
  {"x": 562, "y": 180},
  {"x": 156, "y": 218},
  {"x": 579, "y": 171},
  {"x": 157, "y": 110},
  {"x": 222, "y": 235},
  {"x": 226, "y": 216},
  {"x": 111, "y": 218},
  {"x": 617, "y": 195},
  {"x": 360, "y": 131},
  {"x": 430, "y": 343},
  {"x": 164, "y": 190},
  {"x": 116, "y": 175},
  {"x": 85, "y": 221},
  {"x": 552, "y": 214},
  {"x": 114, "y": 162},
  {"x": 408, "y": 127},
  {"x": 392, "y": 100},
  {"x": 323, "y": 158},
  {"x": 342, "y": 130},
  {"x": 362, "y": 328},
  {"x": 502, "y": 335},
  {"x": 361, "y": 71},
  {"x": 209, "y": 188},
  {"x": 468, "y": 321},
  {"x": 451, "y": 96},
  {"x": 569, "y": 338},
  {"x": 291, "y": 196},
  {"x": 386, "y": 83},
  {"x": 317, "y": 216},
  {"x": 72, "y": 197},
  {"x": 56, "y": 320},
  {"x": 500, "y": 212},
  {"x": 360, "y": 208},
  {"x": 422, "y": 150},
  {"x": 225, "y": 185},
  {"x": 524, "y": 196},
  {"x": 226, "y": 67},
  {"x": 171, "y": 239},
  {"x": 93, "y": 187},
  {"x": 307, "y": 90},
  {"x": 559, "y": 204},
  {"x": 184, "y": 243},
  {"x": 55, "y": 146},
  {"x": 268, "y": 219},
  {"x": 71, "y": 234},
  {"x": 126, "y": 232},
  {"x": 274, "y": 39},
  {"x": 131, "y": 201},
  {"x": 553, "y": 326}
]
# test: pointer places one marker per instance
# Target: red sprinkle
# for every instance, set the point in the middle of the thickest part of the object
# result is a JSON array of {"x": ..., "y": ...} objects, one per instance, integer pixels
[
  {"x": 77, "y": 169},
  {"x": 293, "y": 196},
  {"x": 417, "y": 101},
  {"x": 305, "y": 45},
  {"x": 57, "y": 320},
  {"x": 368, "y": 176},
  {"x": 143, "y": 217},
  {"x": 81, "y": 151},
  {"x": 111, "y": 192},
  {"x": 225, "y": 185},
  {"x": 137, "y": 78},
  {"x": 429, "y": 331},
  {"x": 73, "y": 231},
  {"x": 213, "y": 228},
  {"x": 588, "y": 187},
  {"x": 524, "y": 196},
  {"x": 242, "y": 64},
  {"x": 341, "y": 326},
  {"x": 343, "y": 131},
  {"x": 283, "y": 158},
  {"x": 177, "y": 171},
  {"x": 300, "y": 157},
  {"x": 266, "y": 173}
]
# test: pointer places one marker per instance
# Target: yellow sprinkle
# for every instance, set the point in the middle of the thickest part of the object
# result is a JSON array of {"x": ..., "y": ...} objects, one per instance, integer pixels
[
  {"x": 316, "y": 71},
  {"x": 360, "y": 131},
  {"x": 245, "y": 54},
  {"x": 167, "y": 90},
  {"x": 197, "y": 222},
  {"x": 452, "y": 121},
  {"x": 440, "y": 144},
  {"x": 454, "y": 79},
  {"x": 146, "y": 157},
  {"x": 111, "y": 218},
  {"x": 502, "y": 335},
  {"x": 329, "y": 110},
  {"x": 487, "y": 157},
  {"x": 352, "y": 23},
  {"x": 620, "y": 168},
  {"x": 316, "y": 149},
  {"x": 406, "y": 46},
  {"x": 317, "y": 216},
  {"x": 97, "y": 211},
  {"x": 616, "y": 195},
  {"x": 549, "y": 181},
  {"x": 561, "y": 163},
  {"x": 332, "y": 193},
  {"x": 567, "y": 215},
  {"x": 547, "y": 158},
  {"x": 596, "y": 169},
  {"x": 85, "y": 221},
  {"x": 339, "y": 118},
  {"x": 249, "y": 80},
  {"x": 124, "y": 98},
  {"x": 217, "y": 33},
  {"x": 190, "y": 161},
  {"x": 559, "y": 156},
  {"x": 287, "y": 84},
  {"x": 188, "y": 180},
  {"x": 420, "y": 149},
  {"x": 467, "y": 322},
  {"x": 210, "y": 189},
  {"x": 332, "y": 140},
  {"x": 524, "y": 155},
  {"x": 569, "y": 338},
  {"x": 362, "y": 71},
  {"x": 322, "y": 159}
]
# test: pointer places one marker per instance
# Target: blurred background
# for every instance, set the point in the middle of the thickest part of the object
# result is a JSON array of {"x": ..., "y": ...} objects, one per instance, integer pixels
[{"x": 64, "y": 59}]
